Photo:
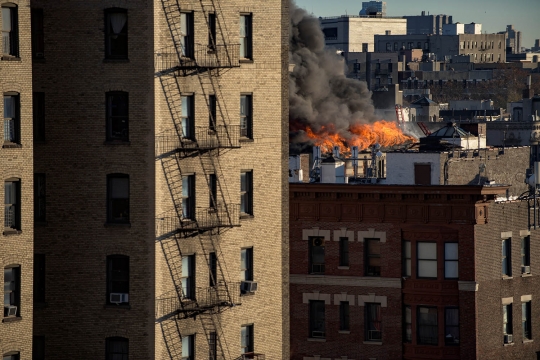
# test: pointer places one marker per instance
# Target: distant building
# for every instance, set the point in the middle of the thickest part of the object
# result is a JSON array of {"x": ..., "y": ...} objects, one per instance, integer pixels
[
  {"x": 536, "y": 46},
  {"x": 377, "y": 69},
  {"x": 373, "y": 8},
  {"x": 426, "y": 24},
  {"x": 513, "y": 40}
]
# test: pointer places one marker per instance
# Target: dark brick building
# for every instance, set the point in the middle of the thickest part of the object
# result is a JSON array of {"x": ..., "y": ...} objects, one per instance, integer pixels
[{"x": 412, "y": 272}]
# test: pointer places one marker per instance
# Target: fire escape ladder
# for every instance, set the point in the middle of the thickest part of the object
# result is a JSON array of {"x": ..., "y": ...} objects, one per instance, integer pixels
[
  {"x": 171, "y": 8},
  {"x": 173, "y": 177},
  {"x": 217, "y": 348},
  {"x": 173, "y": 96},
  {"x": 220, "y": 31},
  {"x": 173, "y": 340}
]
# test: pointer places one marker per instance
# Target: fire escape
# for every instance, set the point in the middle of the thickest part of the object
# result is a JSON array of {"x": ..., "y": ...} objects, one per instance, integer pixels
[{"x": 177, "y": 149}]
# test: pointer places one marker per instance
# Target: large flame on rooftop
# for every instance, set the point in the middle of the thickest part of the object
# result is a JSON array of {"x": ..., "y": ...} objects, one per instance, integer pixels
[{"x": 386, "y": 133}]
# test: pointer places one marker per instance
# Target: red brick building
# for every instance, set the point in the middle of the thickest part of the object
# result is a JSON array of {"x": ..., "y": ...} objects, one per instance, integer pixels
[{"x": 413, "y": 272}]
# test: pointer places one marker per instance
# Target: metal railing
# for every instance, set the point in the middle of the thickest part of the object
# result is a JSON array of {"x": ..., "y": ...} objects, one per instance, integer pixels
[
  {"x": 251, "y": 355},
  {"x": 204, "y": 137},
  {"x": 169, "y": 223},
  {"x": 204, "y": 56}
]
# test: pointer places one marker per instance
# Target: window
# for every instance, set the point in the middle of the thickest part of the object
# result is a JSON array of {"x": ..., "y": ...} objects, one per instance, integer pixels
[
  {"x": 451, "y": 261},
  {"x": 12, "y": 291},
  {"x": 343, "y": 251},
  {"x": 246, "y": 109},
  {"x": 212, "y": 34},
  {"x": 188, "y": 277},
  {"x": 418, "y": 45},
  {"x": 188, "y": 347},
  {"x": 188, "y": 121},
  {"x": 118, "y": 198},
  {"x": 12, "y": 209},
  {"x": 316, "y": 319},
  {"x": 365, "y": 47},
  {"x": 10, "y": 30},
  {"x": 212, "y": 269},
  {"x": 188, "y": 197},
  {"x": 12, "y": 355},
  {"x": 117, "y": 348},
  {"x": 422, "y": 174},
  {"x": 373, "y": 257},
  {"x": 388, "y": 46},
  {"x": 38, "y": 348},
  {"x": 373, "y": 322},
  {"x": 213, "y": 191},
  {"x": 526, "y": 320},
  {"x": 316, "y": 255},
  {"x": 407, "y": 324},
  {"x": 39, "y": 197},
  {"x": 246, "y": 339},
  {"x": 507, "y": 319},
  {"x": 117, "y": 276},
  {"x": 526, "y": 255},
  {"x": 389, "y": 80},
  {"x": 186, "y": 35},
  {"x": 246, "y": 39},
  {"x": 410, "y": 45},
  {"x": 330, "y": 33},
  {"x": 357, "y": 67},
  {"x": 407, "y": 258},
  {"x": 427, "y": 325},
  {"x": 39, "y": 278},
  {"x": 427, "y": 260},
  {"x": 451, "y": 326},
  {"x": 426, "y": 45},
  {"x": 246, "y": 192},
  {"x": 212, "y": 345},
  {"x": 396, "y": 46},
  {"x": 246, "y": 264},
  {"x": 116, "y": 33},
  {"x": 212, "y": 112},
  {"x": 38, "y": 108},
  {"x": 507, "y": 257},
  {"x": 12, "y": 116},
  {"x": 344, "y": 316},
  {"x": 38, "y": 43},
  {"x": 117, "y": 116}
]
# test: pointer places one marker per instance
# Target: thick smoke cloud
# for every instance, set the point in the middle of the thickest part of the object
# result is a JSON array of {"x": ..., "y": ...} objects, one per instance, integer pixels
[{"x": 319, "y": 92}]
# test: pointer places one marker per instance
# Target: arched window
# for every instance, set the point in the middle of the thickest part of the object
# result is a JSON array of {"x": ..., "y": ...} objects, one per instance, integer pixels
[
  {"x": 116, "y": 33},
  {"x": 10, "y": 30},
  {"x": 116, "y": 348}
]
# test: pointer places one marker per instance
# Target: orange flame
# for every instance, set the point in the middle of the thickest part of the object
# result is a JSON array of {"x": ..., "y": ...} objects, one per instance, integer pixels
[{"x": 362, "y": 135}]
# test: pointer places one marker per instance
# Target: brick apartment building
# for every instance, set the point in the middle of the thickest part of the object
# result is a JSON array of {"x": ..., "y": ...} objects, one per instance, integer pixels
[
  {"x": 159, "y": 212},
  {"x": 412, "y": 272}
]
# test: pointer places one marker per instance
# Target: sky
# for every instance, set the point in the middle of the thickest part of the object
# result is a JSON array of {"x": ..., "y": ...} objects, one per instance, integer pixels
[{"x": 494, "y": 15}]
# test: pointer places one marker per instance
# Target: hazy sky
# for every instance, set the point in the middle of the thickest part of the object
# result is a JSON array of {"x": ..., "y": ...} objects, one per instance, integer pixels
[{"x": 494, "y": 15}]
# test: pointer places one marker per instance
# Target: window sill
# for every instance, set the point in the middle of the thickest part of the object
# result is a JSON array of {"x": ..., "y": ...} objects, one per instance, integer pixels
[
  {"x": 246, "y": 139},
  {"x": 344, "y": 332},
  {"x": 10, "y": 58},
  {"x": 246, "y": 216},
  {"x": 343, "y": 267},
  {"x": 11, "y": 145},
  {"x": 526, "y": 275},
  {"x": 107, "y": 60},
  {"x": 526, "y": 341},
  {"x": 510, "y": 344},
  {"x": 11, "y": 319},
  {"x": 507, "y": 277},
  {"x": 9, "y": 232},
  {"x": 373, "y": 342},
  {"x": 247, "y": 293},
  {"x": 119, "y": 306},
  {"x": 316, "y": 339},
  {"x": 118, "y": 225},
  {"x": 245, "y": 61},
  {"x": 117, "y": 142}
]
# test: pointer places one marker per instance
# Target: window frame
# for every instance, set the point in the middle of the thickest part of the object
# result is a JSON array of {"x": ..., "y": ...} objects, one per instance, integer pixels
[
  {"x": 109, "y": 35},
  {"x": 212, "y": 112},
  {"x": 13, "y": 32},
  {"x": 343, "y": 251},
  {"x": 506, "y": 264},
  {"x": 419, "y": 260},
  {"x": 38, "y": 114},
  {"x": 15, "y": 120},
  {"x": 40, "y": 197},
  {"x": 38, "y": 347},
  {"x": 246, "y": 36},
  {"x": 188, "y": 197},
  {"x": 114, "y": 285},
  {"x": 117, "y": 100},
  {"x": 407, "y": 324},
  {"x": 311, "y": 256},
  {"x": 246, "y": 339},
  {"x": 212, "y": 269},
  {"x": 447, "y": 261},
  {"x": 189, "y": 342},
  {"x": 246, "y": 116},
  {"x": 407, "y": 261},
  {"x": 316, "y": 322},
  {"x": 12, "y": 355},
  {"x": 37, "y": 33},
  {"x": 110, "y": 353},
  {"x": 110, "y": 199},
  {"x": 420, "y": 326},
  {"x": 188, "y": 278},
  {"x": 212, "y": 31},
  {"x": 187, "y": 34},
  {"x": 15, "y": 224},
  {"x": 246, "y": 193},
  {"x": 371, "y": 270},
  {"x": 508, "y": 328},
  {"x": 526, "y": 319},
  {"x": 344, "y": 316},
  {"x": 525, "y": 253},
  {"x": 371, "y": 322},
  {"x": 448, "y": 327},
  {"x": 188, "y": 116},
  {"x": 15, "y": 292},
  {"x": 40, "y": 267},
  {"x": 212, "y": 345},
  {"x": 246, "y": 264},
  {"x": 212, "y": 191}
]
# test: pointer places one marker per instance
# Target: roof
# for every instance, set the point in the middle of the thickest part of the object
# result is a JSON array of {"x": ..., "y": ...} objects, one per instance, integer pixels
[
  {"x": 424, "y": 101},
  {"x": 451, "y": 130}
]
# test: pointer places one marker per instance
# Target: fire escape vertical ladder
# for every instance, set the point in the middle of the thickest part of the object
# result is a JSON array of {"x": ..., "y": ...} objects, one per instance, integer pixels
[
  {"x": 171, "y": 8},
  {"x": 173, "y": 177},
  {"x": 173, "y": 96},
  {"x": 214, "y": 337},
  {"x": 172, "y": 338},
  {"x": 173, "y": 257}
]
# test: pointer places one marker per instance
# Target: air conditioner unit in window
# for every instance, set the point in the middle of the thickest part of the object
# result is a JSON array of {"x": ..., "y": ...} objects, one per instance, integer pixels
[
  {"x": 508, "y": 339},
  {"x": 526, "y": 269},
  {"x": 248, "y": 286},
  {"x": 318, "y": 241},
  {"x": 118, "y": 298},
  {"x": 10, "y": 310}
]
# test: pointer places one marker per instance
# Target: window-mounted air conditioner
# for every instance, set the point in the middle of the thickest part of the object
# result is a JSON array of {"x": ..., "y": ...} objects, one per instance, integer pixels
[
  {"x": 118, "y": 298},
  {"x": 10, "y": 310},
  {"x": 526, "y": 269},
  {"x": 248, "y": 286},
  {"x": 508, "y": 339}
]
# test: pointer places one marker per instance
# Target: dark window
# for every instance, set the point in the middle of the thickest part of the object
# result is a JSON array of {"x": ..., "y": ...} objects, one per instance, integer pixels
[
  {"x": 246, "y": 264},
  {"x": 526, "y": 320},
  {"x": 418, "y": 45},
  {"x": 246, "y": 118},
  {"x": 526, "y": 254},
  {"x": 116, "y": 33},
  {"x": 388, "y": 46},
  {"x": 246, "y": 336},
  {"x": 12, "y": 206},
  {"x": 330, "y": 33},
  {"x": 451, "y": 326},
  {"x": 396, "y": 48},
  {"x": 39, "y": 278},
  {"x": 38, "y": 348},
  {"x": 188, "y": 196},
  {"x": 357, "y": 67},
  {"x": 426, "y": 254},
  {"x": 117, "y": 116},
  {"x": 373, "y": 322},
  {"x": 117, "y": 279},
  {"x": 212, "y": 119},
  {"x": 186, "y": 35},
  {"x": 407, "y": 258},
  {"x": 316, "y": 319},
  {"x": 38, "y": 108},
  {"x": 188, "y": 277},
  {"x": 390, "y": 66},
  {"x": 39, "y": 197},
  {"x": 212, "y": 346},
  {"x": 422, "y": 174},
  {"x": 316, "y": 255},
  {"x": 10, "y": 30},
  {"x": 118, "y": 198},
  {"x": 38, "y": 43},
  {"x": 246, "y": 39},
  {"x": 12, "y": 118},
  {"x": 12, "y": 355},
  {"x": 246, "y": 192},
  {"x": 451, "y": 268},
  {"x": 507, "y": 320},
  {"x": 188, "y": 347},
  {"x": 12, "y": 291},
  {"x": 407, "y": 324},
  {"x": 213, "y": 269},
  {"x": 212, "y": 39},
  {"x": 410, "y": 45},
  {"x": 507, "y": 257},
  {"x": 343, "y": 251},
  {"x": 364, "y": 47},
  {"x": 373, "y": 257},
  {"x": 188, "y": 119},
  {"x": 213, "y": 191},
  {"x": 344, "y": 316},
  {"x": 427, "y": 325},
  {"x": 117, "y": 348}
]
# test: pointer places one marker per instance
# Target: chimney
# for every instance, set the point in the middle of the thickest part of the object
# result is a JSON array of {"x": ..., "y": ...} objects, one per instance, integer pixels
[{"x": 388, "y": 32}]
